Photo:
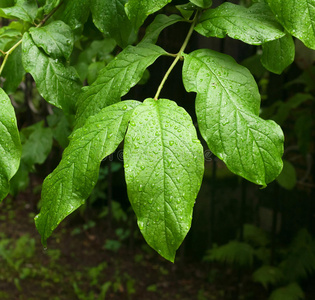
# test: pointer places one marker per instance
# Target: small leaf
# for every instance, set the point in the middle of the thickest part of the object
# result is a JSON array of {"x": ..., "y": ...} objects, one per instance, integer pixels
[
  {"x": 138, "y": 11},
  {"x": 116, "y": 79},
  {"x": 287, "y": 177},
  {"x": 160, "y": 22},
  {"x": 67, "y": 187},
  {"x": 109, "y": 17},
  {"x": 255, "y": 25},
  {"x": 278, "y": 54},
  {"x": 227, "y": 107},
  {"x": 268, "y": 275},
  {"x": 202, "y": 3},
  {"x": 56, "y": 39},
  {"x": 58, "y": 85},
  {"x": 13, "y": 71},
  {"x": 25, "y": 10},
  {"x": 163, "y": 168},
  {"x": 289, "y": 292},
  {"x": 10, "y": 145},
  {"x": 297, "y": 17}
]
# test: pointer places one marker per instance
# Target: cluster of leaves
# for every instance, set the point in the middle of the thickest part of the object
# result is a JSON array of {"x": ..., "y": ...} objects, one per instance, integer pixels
[
  {"x": 163, "y": 158},
  {"x": 295, "y": 263}
]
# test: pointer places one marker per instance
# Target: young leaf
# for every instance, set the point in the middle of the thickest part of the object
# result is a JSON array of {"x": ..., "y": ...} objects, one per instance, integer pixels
[
  {"x": 13, "y": 71},
  {"x": 227, "y": 107},
  {"x": 160, "y": 22},
  {"x": 25, "y": 10},
  {"x": 116, "y": 79},
  {"x": 58, "y": 85},
  {"x": 56, "y": 39},
  {"x": 67, "y": 187},
  {"x": 163, "y": 168},
  {"x": 10, "y": 145},
  {"x": 297, "y": 17},
  {"x": 138, "y": 11},
  {"x": 278, "y": 54},
  {"x": 255, "y": 25},
  {"x": 109, "y": 17}
]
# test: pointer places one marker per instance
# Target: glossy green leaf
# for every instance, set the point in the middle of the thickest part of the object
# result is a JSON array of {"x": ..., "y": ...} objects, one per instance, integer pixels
[
  {"x": 13, "y": 71},
  {"x": 227, "y": 107},
  {"x": 67, "y": 187},
  {"x": 74, "y": 13},
  {"x": 160, "y": 22},
  {"x": 10, "y": 145},
  {"x": 297, "y": 17},
  {"x": 110, "y": 17},
  {"x": 138, "y": 11},
  {"x": 163, "y": 168},
  {"x": 278, "y": 54},
  {"x": 56, "y": 39},
  {"x": 255, "y": 25},
  {"x": 58, "y": 85},
  {"x": 202, "y": 3},
  {"x": 186, "y": 10},
  {"x": 116, "y": 79},
  {"x": 25, "y": 10}
]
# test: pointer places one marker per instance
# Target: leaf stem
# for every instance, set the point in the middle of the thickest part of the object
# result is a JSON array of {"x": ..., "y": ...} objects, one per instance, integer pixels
[
  {"x": 177, "y": 58},
  {"x": 42, "y": 22}
]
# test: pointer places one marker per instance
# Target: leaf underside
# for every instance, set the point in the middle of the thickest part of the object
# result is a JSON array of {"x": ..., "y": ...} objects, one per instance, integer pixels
[
  {"x": 163, "y": 162},
  {"x": 227, "y": 107}
]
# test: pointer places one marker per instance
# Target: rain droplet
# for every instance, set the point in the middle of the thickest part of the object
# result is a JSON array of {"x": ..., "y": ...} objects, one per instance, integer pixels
[
  {"x": 140, "y": 188},
  {"x": 125, "y": 107},
  {"x": 171, "y": 143}
]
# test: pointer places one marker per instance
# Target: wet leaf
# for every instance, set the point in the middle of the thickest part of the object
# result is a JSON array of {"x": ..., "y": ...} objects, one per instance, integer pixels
[
  {"x": 164, "y": 165},
  {"x": 67, "y": 187},
  {"x": 25, "y": 10},
  {"x": 227, "y": 107}
]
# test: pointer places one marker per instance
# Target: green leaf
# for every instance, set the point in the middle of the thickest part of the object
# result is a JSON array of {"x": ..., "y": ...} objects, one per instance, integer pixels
[
  {"x": 160, "y": 22},
  {"x": 163, "y": 168},
  {"x": 50, "y": 5},
  {"x": 278, "y": 54},
  {"x": 297, "y": 17},
  {"x": 268, "y": 275},
  {"x": 255, "y": 25},
  {"x": 56, "y": 39},
  {"x": 116, "y": 79},
  {"x": 74, "y": 13},
  {"x": 67, "y": 187},
  {"x": 93, "y": 71},
  {"x": 13, "y": 71},
  {"x": 227, "y": 107},
  {"x": 10, "y": 145},
  {"x": 25, "y": 10},
  {"x": 138, "y": 11},
  {"x": 287, "y": 177},
  {"x": 202, "y": 3},
  {"x": 37, "y": 145},
  {"x": 58, "y": 85},
  {"x": 109, "y": 17},
  {"x": 186, "y": 10},
  {"x": 290, "y": 292}
]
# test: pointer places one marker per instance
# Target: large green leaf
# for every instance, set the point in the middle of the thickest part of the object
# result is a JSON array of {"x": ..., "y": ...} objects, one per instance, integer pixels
[
  {"x": 13, "y": 71},
  {"x": 67, "y": 187},
  {"x": 59, "y": 85},
  {"x": 278, "y": 54},
  {"x": 163, "y": 168},
  {"x": 56, "y": 39},
  {"x": 255, "y": 25},
  {"x": 25, "y": 10},
  {"x": 116, "y": 79},
  {"x": 138, "y": 11},
  {"x": 74, "y": 13},
  {"x": 160, "y": 22},
  {"x": 297, "y": 17},
  {"x": 10, "y": 145},
  {"x": 110, "y": 18},
  {"x": 227, "y": 107}
]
